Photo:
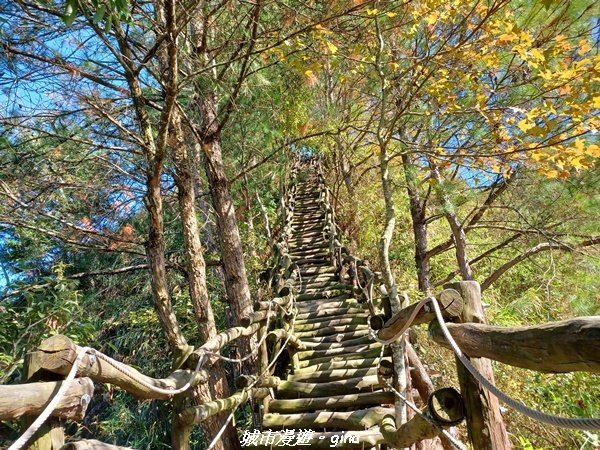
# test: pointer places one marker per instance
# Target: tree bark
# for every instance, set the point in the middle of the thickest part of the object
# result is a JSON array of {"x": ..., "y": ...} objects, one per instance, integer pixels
[
  {"x": 417, "y": 213},
  {"x": 196, "y": 271},
  {"x": 236, "y": 282},
  {"x": 458, "y": 232},
  {"x": 155, "y": 244}
]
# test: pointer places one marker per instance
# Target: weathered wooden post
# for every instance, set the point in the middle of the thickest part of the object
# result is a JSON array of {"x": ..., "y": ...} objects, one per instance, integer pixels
[
  {"x": 484, "y": 421},
  {"x": 51, "y": 435}
]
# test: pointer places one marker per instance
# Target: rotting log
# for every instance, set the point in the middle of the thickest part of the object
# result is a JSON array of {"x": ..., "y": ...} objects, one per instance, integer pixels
[
  {"x": 351, "y": 420},
  {"x": 92, "y": 444},
  {"x": 565, "y": 346},
  {"x": 56, "y": 354},
  {"x": 332, "y": 402},
  {"x": 31, "y": 399},
  {"x": 451, "y": 304},
  {"x": 198, "y": 414},
  {"x": 444, "y": 407}
]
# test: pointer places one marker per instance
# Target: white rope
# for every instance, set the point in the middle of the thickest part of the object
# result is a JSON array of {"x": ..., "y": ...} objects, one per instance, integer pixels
[
  {"x": 267, "y": 370},
  {"x": 406, "y": 326},
  {"x": 136, "y": 376},
  {"x": 254, "y": 351},
  {"x": 590, "y": 424},
  {"x": 459, "y": 445},
  {"x": 35, "y": 426}
]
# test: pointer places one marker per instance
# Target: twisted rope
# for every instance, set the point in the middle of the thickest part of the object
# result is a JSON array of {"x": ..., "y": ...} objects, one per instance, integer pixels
[{"x": 590, "y": 424}]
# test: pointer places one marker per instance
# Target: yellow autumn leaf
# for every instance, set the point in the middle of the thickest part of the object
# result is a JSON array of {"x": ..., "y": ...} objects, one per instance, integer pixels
[
  {"x": 547, "y": 75},
  {"x": 538, "y": 55},
  {"x": 525, "y": 125},
  {"x": 391, "y": 14},
  {"x": 508, "y": 37},
  {"x": 431, "y": 19},
  {"x": 331, "y": 46},
  {"x": 396, "y": 66},
  {"x": 372, "y": 12},
  {"x": 579, "y": 145},
  {"x": 593, "y": 150},
  {"x": 537, "y": 155},
  {"x": 596, "y": 101},
  {"x": 584, "y": 47}
]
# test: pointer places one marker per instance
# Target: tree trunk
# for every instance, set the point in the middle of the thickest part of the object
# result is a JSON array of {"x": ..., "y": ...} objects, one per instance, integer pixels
[
  {"x": 196, "y": 268},
  {"x": 232, "y": 252},
  {"x": 417, "y": 213},
  {"x": 389, "y": 280},
  {"x": 484, "y": 421},
  {"x": 238, "y": 291},
  {"x": 155, "y": 252},
  {"x": 458, "y": 232}
]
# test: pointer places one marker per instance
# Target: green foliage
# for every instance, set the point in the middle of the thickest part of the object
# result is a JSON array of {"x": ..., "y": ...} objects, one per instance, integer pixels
[{"x": 56, "y": 307}]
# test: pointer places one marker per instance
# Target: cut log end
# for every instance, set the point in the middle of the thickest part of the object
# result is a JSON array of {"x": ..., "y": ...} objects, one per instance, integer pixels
[{"x": 446, "y": 406}]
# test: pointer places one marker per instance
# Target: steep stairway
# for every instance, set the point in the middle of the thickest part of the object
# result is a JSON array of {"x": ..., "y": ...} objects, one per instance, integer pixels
[{"x": 332, "y": 385}]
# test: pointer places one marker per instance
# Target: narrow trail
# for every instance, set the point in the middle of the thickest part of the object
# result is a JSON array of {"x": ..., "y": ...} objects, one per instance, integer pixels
[{"x": 332, "y": 384}]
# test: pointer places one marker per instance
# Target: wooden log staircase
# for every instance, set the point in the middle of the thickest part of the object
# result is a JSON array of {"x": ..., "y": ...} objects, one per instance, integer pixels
[{"x": 332, "y": 383}]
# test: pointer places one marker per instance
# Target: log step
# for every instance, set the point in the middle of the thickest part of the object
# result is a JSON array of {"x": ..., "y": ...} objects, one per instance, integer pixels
[
  {"x": 327, "y": 331},
  {"x": 294, "y": 389},
  {"x": 310, "y": 355},
  {"x": 344, "y": 357},
  {"x": 337, "y": 338},
  {"x": 331, "y": 403},
  {"x": 341, "y": 364},
  {"x": 351, "y": 420},
  {"x": 344, "y": 301},
  {"x": 329, "y": 313},
  {"x": 302, "y": 326},
  {"x": 317, "y": 270},
  {"x": 366, "y": 339},
  {"x": 332, "y": 375}
]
